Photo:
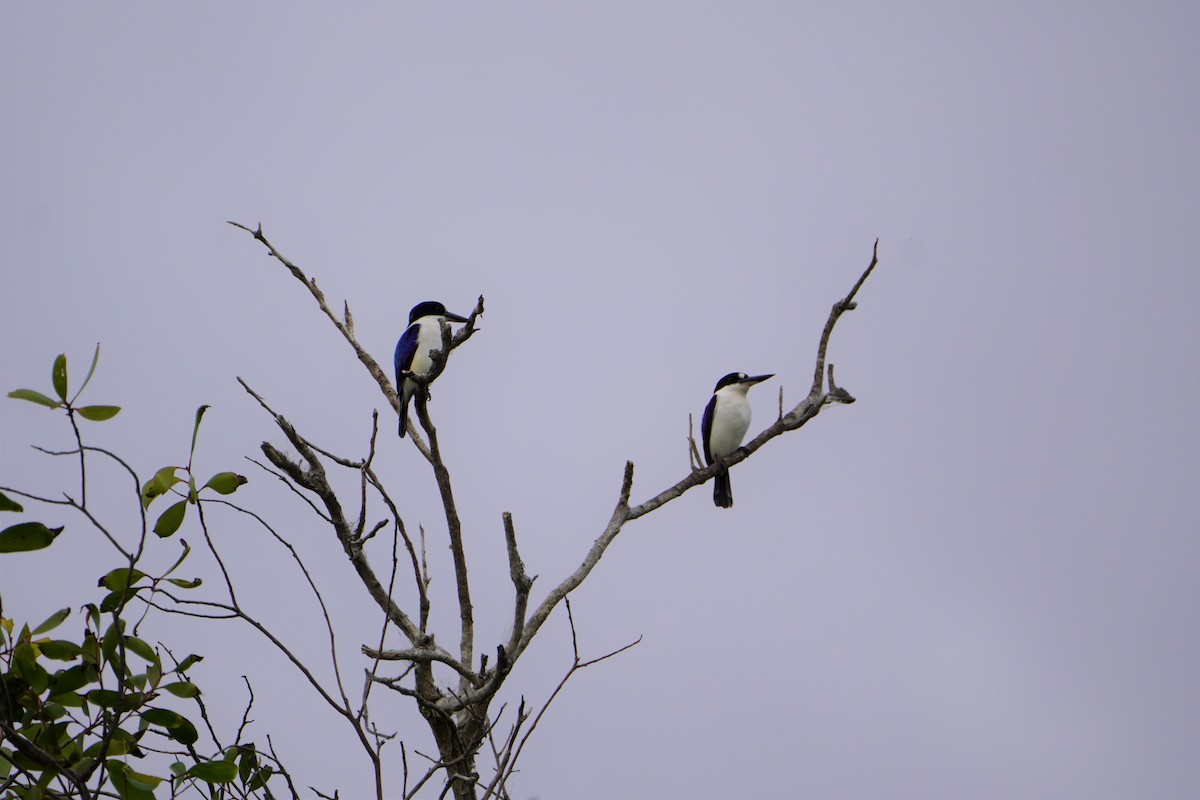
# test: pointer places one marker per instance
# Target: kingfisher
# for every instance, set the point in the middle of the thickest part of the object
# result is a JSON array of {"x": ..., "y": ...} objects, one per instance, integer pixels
[
  {"x": 726, "y": 420},
  {"x": 424, "y": 333}
]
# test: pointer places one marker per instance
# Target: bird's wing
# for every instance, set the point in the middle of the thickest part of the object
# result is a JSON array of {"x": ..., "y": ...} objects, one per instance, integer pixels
[
  {"x": 406, "y": 348},
  {"x": 706, "y": 424}
]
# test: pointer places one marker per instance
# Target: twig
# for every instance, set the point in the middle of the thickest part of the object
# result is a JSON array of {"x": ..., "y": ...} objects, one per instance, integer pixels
[{"x": 498, "y": 780}]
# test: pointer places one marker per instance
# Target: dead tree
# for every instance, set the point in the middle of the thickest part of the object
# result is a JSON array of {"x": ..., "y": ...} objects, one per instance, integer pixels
[{"x": 459, "y": 714}]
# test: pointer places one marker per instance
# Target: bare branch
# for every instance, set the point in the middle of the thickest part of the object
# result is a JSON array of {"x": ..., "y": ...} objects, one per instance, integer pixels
[
  {"x": 619, "y": 516},
  {"x": 454, "y": 528},
  {"x": 422, "y": 584},
  {"x": 314, "y": 480},
  {"x": 422, "y": 655},
  {"x": 509, "y": 762},
  {"x": 312, "y": 585},
  {"x": 841, "y": 306},
  {"x": 236, "y": 612},
  {"x": 522, "y": 583},
  {"x": 345, "y": 328},
  {"x": 796, "y": 418},
  {"x": 458, "y": 717},
  {"x": 836, "y": 393},
  {"x": 693, "y": 452}
]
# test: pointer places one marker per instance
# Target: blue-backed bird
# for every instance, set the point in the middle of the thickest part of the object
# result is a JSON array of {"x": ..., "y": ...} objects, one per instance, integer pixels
[
  {"x": 726, "y": 420},
  {"x": 424, "y": 333}
]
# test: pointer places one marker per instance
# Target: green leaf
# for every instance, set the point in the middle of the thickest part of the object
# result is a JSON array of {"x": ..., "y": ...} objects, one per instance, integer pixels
[
  {"x": 142, "y": 780},
  {"x": 121, "y": 578},
  {"x": 59, "y": 376},
  {"x": 184, "y": 733},
  {"x": 182, "y": 584},
  {"x": 108, "y": 698},
  {"x": 69, "y": 680},
  {"x": 196, "y": 430},
  {"x": 171, "y": 519},
  {"x": 33, "y": 397},
  {"x": 247, "y": 763},
  {"x": 26, "y": 666},
  {"x": 60, "y": 649},
  {"x": 53, "y": 621},
  {"x": 68, "y": 699},
  {"x": 105, "y": 698},
  {"x": 114, "y": 600},
  {"x": 111, "y": 641},
  {"x": 225, "y": 482},
  {"x": 160, "y": 484},
  {"x": 116, "y": 747},
  {"x": 260, "y": 778},
  {"x": 91, "y": 650},
  {"x": 7, "y": 504},
  {"x": 122, "y": 743},
  {"x": 188, "y": 662},
  {"x": 127, "y": 786},
  {"x": 186, "y": 549},
  {"x": 182, "y": 689},
  {"x": 27, "y": 536},
  {"x": 164, "y": 717},
  {"x": 140, "y": 648},
  {"x": 154, "y": 673},
  {"x": 53, "y": 711},
  {"x": 98, "y": 413},
  {"x": 214, "y": 772},
  {"x": 91, "y": 369},
  {"x": 93, "y": 613}
]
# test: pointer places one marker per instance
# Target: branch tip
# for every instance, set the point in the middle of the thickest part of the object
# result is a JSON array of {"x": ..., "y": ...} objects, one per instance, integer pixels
[{"x": 626, "y": 484}]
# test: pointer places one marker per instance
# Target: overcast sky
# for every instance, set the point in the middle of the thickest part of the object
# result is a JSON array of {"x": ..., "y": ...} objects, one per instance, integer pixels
[{"x": 979, "y": 581}]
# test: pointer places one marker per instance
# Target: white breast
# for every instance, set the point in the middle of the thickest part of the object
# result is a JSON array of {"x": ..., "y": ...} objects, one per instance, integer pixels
[
  {"x": 429, "y": 338},
  {"x": 731, "y": 420}
]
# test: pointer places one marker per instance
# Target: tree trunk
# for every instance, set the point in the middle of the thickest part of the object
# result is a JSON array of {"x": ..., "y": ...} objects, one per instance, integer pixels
[{"x": 458, "y": 741}]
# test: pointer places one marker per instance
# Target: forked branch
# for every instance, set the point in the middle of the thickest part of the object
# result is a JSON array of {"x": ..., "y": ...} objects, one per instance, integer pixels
[
  {"x": 804, "y": 411},
  {"x": 459, "y": 717}
]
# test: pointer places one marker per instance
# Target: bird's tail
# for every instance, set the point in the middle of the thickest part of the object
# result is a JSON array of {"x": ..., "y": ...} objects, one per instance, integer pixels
[
  {"x": 722, "y": 491},
  {"x": 403, "y": 416}
]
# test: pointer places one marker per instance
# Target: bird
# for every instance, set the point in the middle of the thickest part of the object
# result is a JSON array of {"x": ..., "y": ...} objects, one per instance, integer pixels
[
  {"x": 424, "y": 333},
  {"x": 726, "y": 420}
]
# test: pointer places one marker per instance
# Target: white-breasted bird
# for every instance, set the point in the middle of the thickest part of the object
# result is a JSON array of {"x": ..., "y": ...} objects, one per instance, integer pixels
[
  {"x": 726, "y": 420},
  {"x": 424, "y": 333}
]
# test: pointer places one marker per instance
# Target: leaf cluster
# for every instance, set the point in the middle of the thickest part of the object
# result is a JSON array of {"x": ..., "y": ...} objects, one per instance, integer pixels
[{"x": 78, "y": 712}]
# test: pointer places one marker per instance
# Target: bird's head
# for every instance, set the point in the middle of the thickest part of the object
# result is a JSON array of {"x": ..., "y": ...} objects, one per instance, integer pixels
[
  {"x": 432, "y": 308},
  {"x": 740, "y": 381}
]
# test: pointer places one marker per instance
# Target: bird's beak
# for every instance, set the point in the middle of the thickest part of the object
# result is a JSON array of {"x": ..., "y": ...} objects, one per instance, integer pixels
[
  {"x": 759, "y": 378},
  {"x": 455, "y": 317}
]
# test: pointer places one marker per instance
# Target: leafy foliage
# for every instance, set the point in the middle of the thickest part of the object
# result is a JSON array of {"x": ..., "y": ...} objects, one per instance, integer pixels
[{"x": 78, "y": 713}]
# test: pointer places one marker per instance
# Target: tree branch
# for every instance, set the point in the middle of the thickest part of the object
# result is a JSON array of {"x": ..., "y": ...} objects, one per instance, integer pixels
[
  {"x": 509, "y": 762},
  {"x": 522, "y": 583},
  {"x": 796, "y": 418},
  {"x": 314, "y": 479},
  {"x": 343, "y": 328},
  {"x": 454, "y": 529}
]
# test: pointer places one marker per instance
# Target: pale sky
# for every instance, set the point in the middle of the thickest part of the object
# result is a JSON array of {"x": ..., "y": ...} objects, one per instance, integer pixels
[{"x": 980, "y": 581}]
